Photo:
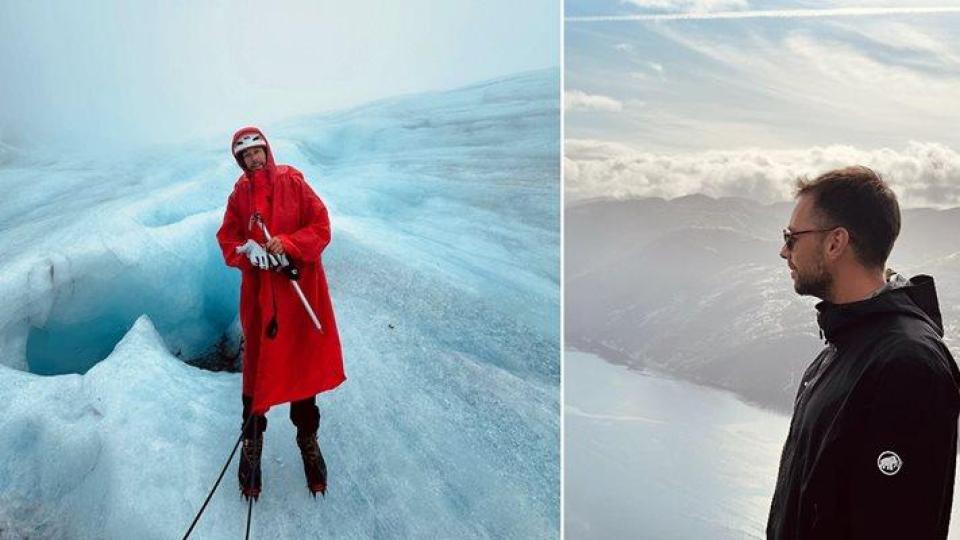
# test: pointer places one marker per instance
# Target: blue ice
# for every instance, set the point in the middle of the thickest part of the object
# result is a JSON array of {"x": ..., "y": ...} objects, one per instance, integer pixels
[{"x": 444, "y": 272}]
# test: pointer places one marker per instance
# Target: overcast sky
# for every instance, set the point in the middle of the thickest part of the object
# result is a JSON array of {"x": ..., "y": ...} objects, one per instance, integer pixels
[
  {"x": 723, "y": 97},
  {"x": 131, "y": 73}
]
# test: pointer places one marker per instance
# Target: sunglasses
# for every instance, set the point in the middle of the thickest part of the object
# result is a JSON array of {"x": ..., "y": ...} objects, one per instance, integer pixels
[{"x": 790, "y": 237}]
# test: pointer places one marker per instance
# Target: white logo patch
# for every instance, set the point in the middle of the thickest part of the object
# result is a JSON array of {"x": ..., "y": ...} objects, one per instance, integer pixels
[{"x": 889, "y": 463}]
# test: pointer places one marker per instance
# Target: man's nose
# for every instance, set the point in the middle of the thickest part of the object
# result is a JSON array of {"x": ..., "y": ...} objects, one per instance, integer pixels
[{"x": 784, "y": 253}]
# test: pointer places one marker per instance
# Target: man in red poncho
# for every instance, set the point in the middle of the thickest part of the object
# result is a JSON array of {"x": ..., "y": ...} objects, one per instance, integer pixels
[{"x": 288, "y": 356}]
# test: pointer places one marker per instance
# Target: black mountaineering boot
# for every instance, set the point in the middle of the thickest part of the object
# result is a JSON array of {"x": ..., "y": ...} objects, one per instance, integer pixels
[
  {"x": 249, "y": 470},
  {"x": 314, "y": 467}
]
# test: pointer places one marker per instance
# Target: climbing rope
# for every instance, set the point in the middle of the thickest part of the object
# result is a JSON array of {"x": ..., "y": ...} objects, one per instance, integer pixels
[{"x": 217, "y": 483}]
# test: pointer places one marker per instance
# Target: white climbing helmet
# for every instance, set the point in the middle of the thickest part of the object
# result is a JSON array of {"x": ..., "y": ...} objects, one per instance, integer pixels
[{"x": 248, "y": 140}]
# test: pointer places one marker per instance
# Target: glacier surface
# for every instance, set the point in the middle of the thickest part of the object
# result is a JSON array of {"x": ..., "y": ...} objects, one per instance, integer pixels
[{"x": 444, "y": 272}]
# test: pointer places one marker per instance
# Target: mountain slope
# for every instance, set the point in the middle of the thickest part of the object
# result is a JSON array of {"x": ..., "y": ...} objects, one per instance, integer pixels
[{"x": 694, "y": 286}]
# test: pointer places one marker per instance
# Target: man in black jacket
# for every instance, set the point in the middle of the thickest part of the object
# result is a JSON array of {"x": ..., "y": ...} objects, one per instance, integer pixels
[{"x": 872, "y": 444}]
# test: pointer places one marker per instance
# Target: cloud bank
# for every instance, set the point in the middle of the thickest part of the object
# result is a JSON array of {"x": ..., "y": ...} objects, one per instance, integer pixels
[
  {"x": 577, "y": 100},
  {"x": 922, "y": 174}
]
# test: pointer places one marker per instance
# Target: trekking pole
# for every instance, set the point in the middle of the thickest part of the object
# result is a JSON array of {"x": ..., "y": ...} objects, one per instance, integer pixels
[
  {"x": 249, "y": 513},
  {"x": 291, "y": 272}
]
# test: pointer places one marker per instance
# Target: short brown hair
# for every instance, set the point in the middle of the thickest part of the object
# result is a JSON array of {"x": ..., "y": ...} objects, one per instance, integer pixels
[{"x": 857, "y": 199}]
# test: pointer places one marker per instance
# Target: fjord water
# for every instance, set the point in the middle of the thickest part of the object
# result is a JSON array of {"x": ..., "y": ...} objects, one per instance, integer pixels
[{"x": 658, "y": 458}]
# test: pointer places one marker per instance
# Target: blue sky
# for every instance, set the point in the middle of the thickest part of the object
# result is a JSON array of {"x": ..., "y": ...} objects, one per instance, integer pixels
[
  {"x": 135, "y": 73},
  {"x": 745, "y": 104}
]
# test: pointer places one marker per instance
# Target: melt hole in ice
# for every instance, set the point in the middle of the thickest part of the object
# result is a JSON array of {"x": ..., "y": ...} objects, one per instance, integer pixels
[{"x": 193, "y": 304}]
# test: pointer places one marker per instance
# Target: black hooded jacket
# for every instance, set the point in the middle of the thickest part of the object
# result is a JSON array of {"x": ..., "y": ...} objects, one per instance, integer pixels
[{"x": 872, "y": 443}]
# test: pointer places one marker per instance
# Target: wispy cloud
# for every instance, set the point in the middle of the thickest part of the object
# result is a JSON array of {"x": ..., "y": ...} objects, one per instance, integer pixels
[
  {"x": 808, "y": 84},
  {"x": 647, "y": 71},
  {"x": 922, "y": 174},
  {"x": 765, "y": 14},
  {"x": 904, "y": 37},
  {"x": 697, "y": 6},
  {"x": 577, "y": 100}
]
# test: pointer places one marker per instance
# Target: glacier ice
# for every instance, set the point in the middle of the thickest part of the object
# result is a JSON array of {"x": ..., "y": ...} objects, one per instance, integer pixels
[{"x": 444, "y": 270}]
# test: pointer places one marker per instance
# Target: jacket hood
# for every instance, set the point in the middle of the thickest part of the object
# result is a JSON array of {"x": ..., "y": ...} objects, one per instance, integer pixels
[
  {"x": 917, "y": 298},
  {"x": 271, "y": 166}
]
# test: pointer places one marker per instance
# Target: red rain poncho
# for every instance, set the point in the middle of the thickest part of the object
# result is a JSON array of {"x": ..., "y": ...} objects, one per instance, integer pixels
[{"x": 300, "y": 361}]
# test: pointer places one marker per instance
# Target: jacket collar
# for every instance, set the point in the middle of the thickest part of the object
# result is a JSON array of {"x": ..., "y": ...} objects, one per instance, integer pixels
[{"x": 917, "y": 298}]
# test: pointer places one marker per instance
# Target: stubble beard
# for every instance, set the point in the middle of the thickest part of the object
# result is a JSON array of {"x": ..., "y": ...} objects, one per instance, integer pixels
[{"x": 818, "y": 282}]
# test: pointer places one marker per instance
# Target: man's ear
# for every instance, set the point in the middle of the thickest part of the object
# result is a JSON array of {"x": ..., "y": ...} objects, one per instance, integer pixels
[{"x": 836, "y": 243}]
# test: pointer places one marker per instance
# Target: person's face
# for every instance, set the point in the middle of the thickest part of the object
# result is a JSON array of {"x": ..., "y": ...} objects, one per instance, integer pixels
[
  {"x": 806, "y": 255},
  {"x": 254, "y": 158}
]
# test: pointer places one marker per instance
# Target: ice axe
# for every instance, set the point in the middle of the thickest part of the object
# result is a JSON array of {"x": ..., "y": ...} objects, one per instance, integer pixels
[{"x": 288, "y": 270}]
